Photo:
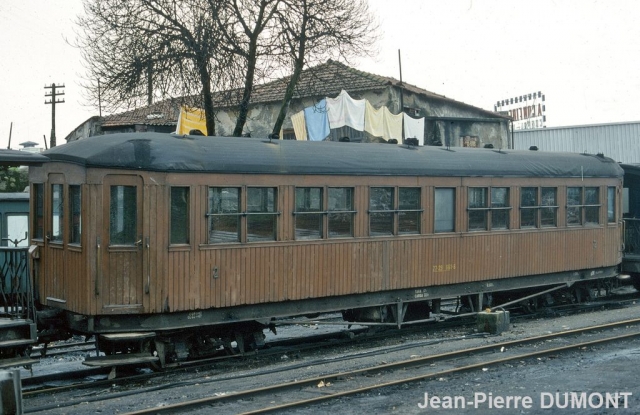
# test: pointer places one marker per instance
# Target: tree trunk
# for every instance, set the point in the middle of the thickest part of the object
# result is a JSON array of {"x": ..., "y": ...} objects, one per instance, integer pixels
[{"x": 248, "y": 88}]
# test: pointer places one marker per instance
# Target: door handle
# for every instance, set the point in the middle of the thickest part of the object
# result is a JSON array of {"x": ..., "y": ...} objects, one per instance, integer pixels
[{"x": 138, "y": 243}]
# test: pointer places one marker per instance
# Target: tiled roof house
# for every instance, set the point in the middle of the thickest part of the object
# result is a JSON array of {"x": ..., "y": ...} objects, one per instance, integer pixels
[{"x": 447, "y": 121}]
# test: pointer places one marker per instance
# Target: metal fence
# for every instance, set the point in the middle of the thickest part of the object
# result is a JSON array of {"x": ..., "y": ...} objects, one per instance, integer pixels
[
  {"x": 16, "y": 295},
  {"x": 632, "y": 236}
]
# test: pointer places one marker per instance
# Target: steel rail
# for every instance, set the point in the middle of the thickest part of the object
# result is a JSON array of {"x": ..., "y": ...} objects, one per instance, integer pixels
[{"x": 401, "y": 365}]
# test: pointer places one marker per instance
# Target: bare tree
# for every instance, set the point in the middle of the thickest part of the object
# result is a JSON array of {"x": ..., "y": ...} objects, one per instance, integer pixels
[
  {"x": 316, "y": 30},
  {"x": 251, "y": 34},
  {"x": 135, "y": 49}
]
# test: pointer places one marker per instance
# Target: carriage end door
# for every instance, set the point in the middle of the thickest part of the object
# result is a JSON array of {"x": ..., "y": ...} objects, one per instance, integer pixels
[{"x": 124, "y": 250}]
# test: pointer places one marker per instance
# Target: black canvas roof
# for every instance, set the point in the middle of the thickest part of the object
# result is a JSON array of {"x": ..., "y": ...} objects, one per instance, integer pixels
[
  {"x": 20, "y": 158},
  {"x": 168, "y": 152}
]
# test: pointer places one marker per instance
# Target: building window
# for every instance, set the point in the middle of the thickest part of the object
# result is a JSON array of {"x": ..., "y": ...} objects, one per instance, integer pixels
[
  {"x": 340, "y": 212},
  {"x": 308, "y": 213},
  {"x": 17, "y": 226},
  {"x": 409, "y": 210},
  {"x": 75, "y": 212},
  {"x": 534, "y": 214},
  {"x": 445, "y": 210},
  {"x": 611, "y": 204},
  {"x": 381, "y": 211},
  {"x": 38, "y": 205},
  {"x": 485, "y": 216},
  {"x": 179, "y": 220},
  {"x": 57, "y": 213},
  {"x": 583, "y": 206},
  {"x": 261, "y": 214},
  {"x": 123, "y": 218},
  {"x": 224, "y": 214}
]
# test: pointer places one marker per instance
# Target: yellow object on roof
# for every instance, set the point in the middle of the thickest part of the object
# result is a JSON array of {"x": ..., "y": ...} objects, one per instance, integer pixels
[{"x": 191, "y": 119}]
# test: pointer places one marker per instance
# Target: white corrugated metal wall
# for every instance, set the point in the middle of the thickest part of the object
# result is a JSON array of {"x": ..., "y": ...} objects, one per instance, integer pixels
[{"x": 619, "y": 141}]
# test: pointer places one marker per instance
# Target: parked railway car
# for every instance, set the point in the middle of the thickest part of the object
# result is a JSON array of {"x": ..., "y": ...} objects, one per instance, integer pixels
[
  {"x": 171, "y": 247},
  {"x": 631, "y": 211},
  {"x": 18, "y": 332}
]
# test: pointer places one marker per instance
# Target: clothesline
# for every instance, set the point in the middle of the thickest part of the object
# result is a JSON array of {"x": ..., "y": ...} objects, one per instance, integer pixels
[{"x": 315, "y": 122}]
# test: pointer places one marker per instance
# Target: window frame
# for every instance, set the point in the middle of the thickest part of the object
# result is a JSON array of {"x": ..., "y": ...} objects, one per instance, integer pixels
[
  {"x": 187, "y": 219},
  {"x": 72, "y": 214},
  {"x": 612, "y": 205},
  {"x": 489, "y": 208},
  {"x": 394, "y": 211},
  {"x": 244, "y": 215},
  {"x": 38, "y": 231},
  {"x": 538, "y": 208},
  {"x": 57, "y": 237},
  {"x": 453, "y": 190},
  {"x": 325, "y": 212},
  {"x": 583, "y": 206},
  {"x": 320, "y": 211}
]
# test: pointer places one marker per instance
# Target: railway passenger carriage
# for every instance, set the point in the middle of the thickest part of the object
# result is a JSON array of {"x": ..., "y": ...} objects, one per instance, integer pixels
[{"x": 179, "y": 245}]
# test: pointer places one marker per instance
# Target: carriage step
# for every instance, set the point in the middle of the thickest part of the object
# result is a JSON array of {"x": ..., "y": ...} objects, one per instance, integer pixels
[
  {"x": 120, "y": 360},
  {"x": 16, "y": 362}
]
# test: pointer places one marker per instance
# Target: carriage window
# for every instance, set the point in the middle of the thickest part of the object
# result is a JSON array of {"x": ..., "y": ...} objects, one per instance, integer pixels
[
  {"x": 224, "y": 214},
  {"x": 75, "y": 210},
  {"x": 445, "y": 210},
  {"x": 57, "y": 213},
  {"x": 261, "y": 214},
  {"x": 179, "y": 215},
  {"x": 534, "y": 214},
  {"x": 478, "y": 209},
  {"x": 123, "y": 215},
  {"x": 592, "y": 205},
  {"x": 381, "y": 211},
  {"x": 340, "y": 212},
  {"x": 549, "y": 209},
  {"x": 611, "y": 204},
  {"x": 583, "y": 206},
  {"x": 409, "y": 210},
  {"x": 499, "y": 208},
  {"x": 308, "y": 213},
  {"x": 38, "y": 205},
  {"x": 17, "y": 226}
]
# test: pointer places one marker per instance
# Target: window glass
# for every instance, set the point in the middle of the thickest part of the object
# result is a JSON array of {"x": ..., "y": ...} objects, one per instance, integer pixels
[
  {"x": 611, "y": 204},
  {"x": 340, "y": 212},
  {"x": 499, "y": 200},
  {"x": 123, "y": 215},
  {"x": 381, "y": 210},
  {"x": 445, "y": 210},
  {"x": 179, "y": 220},
  {"x": 528, "y": 207},
  {"x": 57, "y": 212},
  {"x": 17, "y": 229},
  {"x": 308, "y": 213},
  {"x": 574, "y": 206},
  {"x": 38, "y": 202},
  {"x": 261, "y": 214},
  {"x": 478, "y": 200},
  {"x": 408, "y": 210},
  {"x": 224, "y": 214},
  {"x": 592, "y": 208},
  {"x": 75, "y": 219},
  {"x": 549, "y": 209}
]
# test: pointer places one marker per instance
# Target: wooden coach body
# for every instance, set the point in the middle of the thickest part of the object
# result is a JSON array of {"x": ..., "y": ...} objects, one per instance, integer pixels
[{"x": 155, "y": 231}]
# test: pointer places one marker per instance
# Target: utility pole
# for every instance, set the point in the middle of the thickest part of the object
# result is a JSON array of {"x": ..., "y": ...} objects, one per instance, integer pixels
[{"x": 53, "y": 101}]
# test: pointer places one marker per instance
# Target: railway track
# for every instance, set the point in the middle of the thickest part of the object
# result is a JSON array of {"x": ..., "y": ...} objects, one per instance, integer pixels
[
  {"x": 346, "y": 383},
  {"x": 150, "y": 383}
]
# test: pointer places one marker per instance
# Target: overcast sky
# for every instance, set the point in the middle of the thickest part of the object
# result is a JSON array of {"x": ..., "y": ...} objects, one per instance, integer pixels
[{"x": 582, "y": 54}]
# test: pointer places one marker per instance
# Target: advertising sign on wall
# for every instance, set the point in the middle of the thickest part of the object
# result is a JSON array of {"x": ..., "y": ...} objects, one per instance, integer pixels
[{"x": 528, "y": 111}]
